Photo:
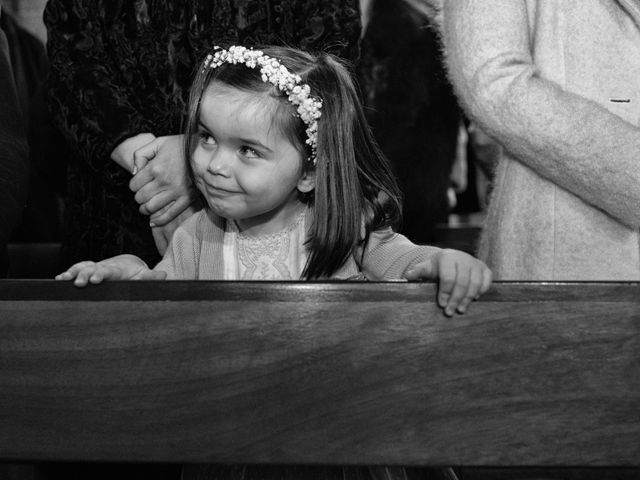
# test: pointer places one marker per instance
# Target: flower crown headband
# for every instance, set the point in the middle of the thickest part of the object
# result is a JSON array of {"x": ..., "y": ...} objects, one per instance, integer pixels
[{"x": 274, "y": 72}]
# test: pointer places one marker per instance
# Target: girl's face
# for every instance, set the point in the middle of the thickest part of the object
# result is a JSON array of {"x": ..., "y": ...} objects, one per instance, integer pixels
[{"x": 244, "y": 166}]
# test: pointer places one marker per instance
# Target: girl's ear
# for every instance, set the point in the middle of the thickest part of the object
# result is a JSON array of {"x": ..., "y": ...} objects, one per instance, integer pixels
[{"x": 307, "y": 181}]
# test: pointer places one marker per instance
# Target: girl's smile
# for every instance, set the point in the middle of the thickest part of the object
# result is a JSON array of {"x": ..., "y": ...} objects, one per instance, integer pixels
[
  {"x": 219, "y": 191},
  {"x": 244, "y": 165}
]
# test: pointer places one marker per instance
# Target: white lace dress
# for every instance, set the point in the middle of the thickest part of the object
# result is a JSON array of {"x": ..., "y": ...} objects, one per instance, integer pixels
[{"x": 276, "y": 256}]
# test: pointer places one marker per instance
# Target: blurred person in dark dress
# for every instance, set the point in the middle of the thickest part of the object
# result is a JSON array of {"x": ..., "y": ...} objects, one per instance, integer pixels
[
  {"x": 41, "y": 219},
  {"x": 14, "y": 153},
  {"x": 412, "y": 108}
]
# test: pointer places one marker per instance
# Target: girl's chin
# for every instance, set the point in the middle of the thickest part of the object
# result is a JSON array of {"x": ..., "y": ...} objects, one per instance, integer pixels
[
  {"x": 222, "y": 210},
  {"x": 228, "y": 214}
]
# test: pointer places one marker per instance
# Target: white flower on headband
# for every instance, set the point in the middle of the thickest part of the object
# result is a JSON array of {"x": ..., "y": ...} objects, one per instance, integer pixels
[{"x": 274, "y": 72}]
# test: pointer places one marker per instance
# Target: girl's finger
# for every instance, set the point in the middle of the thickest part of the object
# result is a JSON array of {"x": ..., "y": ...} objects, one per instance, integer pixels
[
  {"x": 447, "y": 279},
  {"x": 64, "y": 276},
  {"x": 82, "y": 278},
  {"x": 78, "y": 267},
  {"x": 73, "y": 270},
  {"x": 98, "y": 275},
  {"x": 475, "y": 282},
  {"x": 459, "y": 290}
]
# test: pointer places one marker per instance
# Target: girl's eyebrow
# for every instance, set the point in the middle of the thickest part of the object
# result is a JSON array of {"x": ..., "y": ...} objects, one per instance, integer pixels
[
  {"x": 255, "y": 143},
  {"x": 202, "y": 125}
]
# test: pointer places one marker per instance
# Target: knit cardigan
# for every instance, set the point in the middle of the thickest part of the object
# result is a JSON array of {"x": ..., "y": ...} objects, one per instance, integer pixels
[
  {"x": 557, "y": 84},
  {"x": 196, "y": 253}
]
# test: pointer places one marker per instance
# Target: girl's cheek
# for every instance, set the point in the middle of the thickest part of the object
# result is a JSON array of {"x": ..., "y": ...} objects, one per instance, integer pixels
[{"x": 198, "y": 165}]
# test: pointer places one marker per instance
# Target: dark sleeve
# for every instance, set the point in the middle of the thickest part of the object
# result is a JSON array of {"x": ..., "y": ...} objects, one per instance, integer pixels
[
  {"x": 13, "y": 149},
  {"x": 112, "y": 75}
]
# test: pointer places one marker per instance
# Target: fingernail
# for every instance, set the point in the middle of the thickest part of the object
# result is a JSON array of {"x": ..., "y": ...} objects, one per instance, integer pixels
[
  {"x": 151, "y": 224},
  {"x": 448, "y": 312},
  {"x": 461, "y": 310},
  {"x": 135, "y": 170}
]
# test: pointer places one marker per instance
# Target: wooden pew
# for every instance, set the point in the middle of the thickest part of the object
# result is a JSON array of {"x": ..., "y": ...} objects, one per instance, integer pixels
[{"x": 543, "y": 374}]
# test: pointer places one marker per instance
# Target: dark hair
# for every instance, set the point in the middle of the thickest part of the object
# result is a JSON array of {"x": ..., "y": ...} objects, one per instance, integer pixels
[{"x": 355, "y": 189}]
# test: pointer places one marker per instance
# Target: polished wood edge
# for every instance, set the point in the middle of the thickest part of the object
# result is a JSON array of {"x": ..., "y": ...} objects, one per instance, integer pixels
[{"x": 311, "y": 291}]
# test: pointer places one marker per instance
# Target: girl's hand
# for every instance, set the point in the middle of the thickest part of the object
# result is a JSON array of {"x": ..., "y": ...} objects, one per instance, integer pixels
[
  {"x": 462, "y": 278},
  {"x": 161, "y": 183},
  {"x": 121, "y": 267},
  {"x": 123, "y": 154}
]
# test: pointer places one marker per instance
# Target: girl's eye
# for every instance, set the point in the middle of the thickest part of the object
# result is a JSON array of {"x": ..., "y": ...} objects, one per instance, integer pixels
[
  {"x": 249, "y": 152},
  {"x": 206, "y": 139}
]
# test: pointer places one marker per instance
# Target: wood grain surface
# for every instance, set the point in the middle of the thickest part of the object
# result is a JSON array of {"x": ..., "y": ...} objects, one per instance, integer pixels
[{"x": 543, "y": 374}]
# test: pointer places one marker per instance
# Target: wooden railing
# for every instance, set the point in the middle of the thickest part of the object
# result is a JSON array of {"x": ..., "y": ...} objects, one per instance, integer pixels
[{"x": 322, "y": 373}]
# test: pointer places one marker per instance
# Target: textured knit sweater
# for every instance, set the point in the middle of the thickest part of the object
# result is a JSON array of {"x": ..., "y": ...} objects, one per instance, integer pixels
[
  {"x": 557, "y": 83},
  {"x": 196, "y": 253}
]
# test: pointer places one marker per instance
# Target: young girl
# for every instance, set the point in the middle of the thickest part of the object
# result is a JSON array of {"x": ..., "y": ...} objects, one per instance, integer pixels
[{"x": 294, "y": 185}]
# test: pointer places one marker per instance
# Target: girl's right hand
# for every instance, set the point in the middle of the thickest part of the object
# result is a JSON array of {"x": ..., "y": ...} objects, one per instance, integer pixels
[{"x": 121, "y": 267}]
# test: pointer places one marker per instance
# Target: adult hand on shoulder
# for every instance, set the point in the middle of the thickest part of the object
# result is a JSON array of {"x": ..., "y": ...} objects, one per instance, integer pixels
[
  {"x": 120, "y": 267},
  {"x": 161, "y": 183},
  {"x": 123, "y": 154},
  {"x": 461, "y": 278}
]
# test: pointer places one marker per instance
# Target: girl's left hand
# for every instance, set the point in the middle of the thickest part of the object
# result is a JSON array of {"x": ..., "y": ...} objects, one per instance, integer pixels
[
  {"x": 461, "y": 278},
  {"x": 120, "y": 267}
]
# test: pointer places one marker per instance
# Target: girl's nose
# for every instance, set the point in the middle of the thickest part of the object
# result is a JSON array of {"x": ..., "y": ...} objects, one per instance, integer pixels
[{"x": 219, "y": 163}]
